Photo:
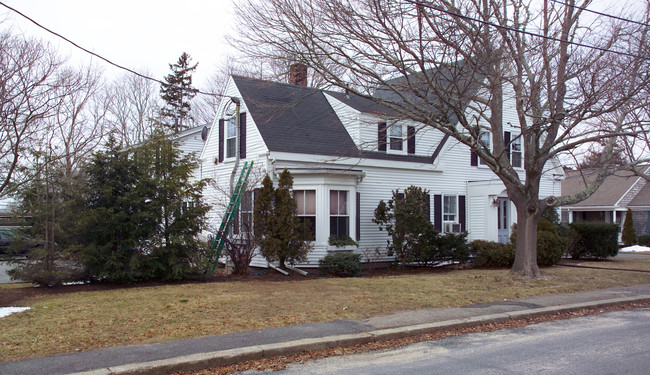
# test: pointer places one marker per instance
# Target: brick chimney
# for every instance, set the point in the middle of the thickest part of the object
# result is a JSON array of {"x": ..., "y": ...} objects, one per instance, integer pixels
[{"x": 298, "y": 74}]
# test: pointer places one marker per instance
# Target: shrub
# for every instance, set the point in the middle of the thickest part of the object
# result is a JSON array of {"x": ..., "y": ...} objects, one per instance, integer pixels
[
  {"x": 644, "y": 240},
  {"x": 629, "y": 234},
  {"x": 492, "y": 254},
  {"x": 342, "y": 241},
  {"x": 342, "y": 264},
  {"x": 550, "y": 245},
  {"x": 593, "y": 239},
  {"x": 435, "y": 248}
]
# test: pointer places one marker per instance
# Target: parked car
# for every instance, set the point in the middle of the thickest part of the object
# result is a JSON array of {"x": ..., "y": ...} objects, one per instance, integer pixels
[{"x": 9, "y": 236}]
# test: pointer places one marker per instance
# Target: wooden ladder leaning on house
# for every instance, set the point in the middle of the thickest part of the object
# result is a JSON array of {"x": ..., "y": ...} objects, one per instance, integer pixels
[{"x": 229, "y": 216}]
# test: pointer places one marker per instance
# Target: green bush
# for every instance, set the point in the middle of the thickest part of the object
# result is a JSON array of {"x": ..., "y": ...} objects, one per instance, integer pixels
[
  {"x": 593, "y": 239},
  {"x": 435, "y": 248},
  {"x": 342, "y": 264},
  {"x": 492, "y": 254},
  {"x": 644, "y": 240},
  {"x": 550, "y": 245}
]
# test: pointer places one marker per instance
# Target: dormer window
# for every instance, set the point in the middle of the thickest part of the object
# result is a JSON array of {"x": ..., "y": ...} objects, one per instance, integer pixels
[
  {"x": 395, "y": 137},
  {"x": 231, "y": 137}
]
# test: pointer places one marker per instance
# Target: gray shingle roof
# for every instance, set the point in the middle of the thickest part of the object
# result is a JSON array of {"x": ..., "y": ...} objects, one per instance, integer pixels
[
  {"x": 611, "y": 190},
  {"x": 299, "y": 119}
]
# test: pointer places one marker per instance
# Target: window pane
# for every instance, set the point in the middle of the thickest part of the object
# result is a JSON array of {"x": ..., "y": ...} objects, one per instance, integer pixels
[
  {"x": 232, "y": 128},
  {"x": 396, "y": 143},
  {"x": 339, "y": 226},
  {"x": 299, "y": 197},
  {"x": 485, "y": 139},
  {"x": 343, "y": 202},
  {"x": 230, "y": 147},
  {"x": 395, "y": 131},
  {"x": 334, "y": 202},
  {"x": 310, "y": 202},
  {"x": 309, "y": 227}
]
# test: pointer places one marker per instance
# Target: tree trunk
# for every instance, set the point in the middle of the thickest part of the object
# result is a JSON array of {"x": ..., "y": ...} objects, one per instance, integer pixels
[{"x": 526, "y": 247}]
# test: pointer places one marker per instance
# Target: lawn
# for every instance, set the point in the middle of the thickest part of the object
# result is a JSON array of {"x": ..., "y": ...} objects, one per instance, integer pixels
[{"x": 87, "y": 318}]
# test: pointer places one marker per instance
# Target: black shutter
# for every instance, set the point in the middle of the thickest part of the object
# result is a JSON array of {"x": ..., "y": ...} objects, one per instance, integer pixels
[
  {"x": 437, "y": 212},
  {"x": 428, "y": 200},
  {"x": 473, "y": 159},
  {"x": 221, "y": 140},
  {"x": 410, "y": 139},
  {"x": 462, "y": 219},
  {"x": 381, "y": 136},
  {"x": 506, "y": 142},
  {"x": 358, "y": 217},
  {"x": 242, "y": 135}
]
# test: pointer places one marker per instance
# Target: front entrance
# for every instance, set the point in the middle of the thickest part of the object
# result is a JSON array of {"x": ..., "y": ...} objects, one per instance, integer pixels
[{"x": 503, "y": 220}]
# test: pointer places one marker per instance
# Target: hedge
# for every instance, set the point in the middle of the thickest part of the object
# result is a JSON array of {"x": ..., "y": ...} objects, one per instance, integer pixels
[{"x": 594, "y": 240}]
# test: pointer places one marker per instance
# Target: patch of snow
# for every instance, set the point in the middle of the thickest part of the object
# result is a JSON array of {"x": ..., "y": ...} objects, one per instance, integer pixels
[
  {"x": 5, "y": 311},
  {"x": 634, "y": 249}
]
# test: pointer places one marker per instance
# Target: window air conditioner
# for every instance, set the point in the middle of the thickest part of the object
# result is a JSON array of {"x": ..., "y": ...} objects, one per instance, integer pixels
[{"x": 452, "y": 228}]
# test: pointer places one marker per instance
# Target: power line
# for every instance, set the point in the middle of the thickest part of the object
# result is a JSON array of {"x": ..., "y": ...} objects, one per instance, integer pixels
[
  {"x": 93, "y": 53},
  {"x": 602, "y": 14},
  {"x": 529, "y": 33}
]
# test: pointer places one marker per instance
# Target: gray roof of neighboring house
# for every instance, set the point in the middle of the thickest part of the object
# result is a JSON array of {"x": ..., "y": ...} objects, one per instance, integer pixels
[
  {"x": 610, "y": 192},
  {"x": 299, "y": 119},
  {"x": 642, "y": 198}
]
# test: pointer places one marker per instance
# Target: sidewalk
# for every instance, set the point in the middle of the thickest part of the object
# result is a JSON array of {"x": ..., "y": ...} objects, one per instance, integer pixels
[{"x": 237, "y": 347}]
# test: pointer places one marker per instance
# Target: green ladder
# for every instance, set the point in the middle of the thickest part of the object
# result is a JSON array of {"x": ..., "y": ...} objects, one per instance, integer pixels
[{"x": 231, "y": 212}]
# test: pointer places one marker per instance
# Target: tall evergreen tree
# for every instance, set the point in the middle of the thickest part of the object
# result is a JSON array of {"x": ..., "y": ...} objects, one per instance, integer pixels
[
  {"x": 177, "y": 92},
  {"x": 144, "y": 213},
  {"x": 278, "y": 229},
  {"x": 628, "y": 235}
]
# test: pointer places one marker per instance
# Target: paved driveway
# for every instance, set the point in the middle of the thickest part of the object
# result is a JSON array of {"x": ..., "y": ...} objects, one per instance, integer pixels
[{"x": 4, "y": 278}]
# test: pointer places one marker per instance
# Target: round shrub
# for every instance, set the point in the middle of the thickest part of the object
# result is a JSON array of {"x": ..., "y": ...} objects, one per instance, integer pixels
[
  {"x": 342, "y": 264},
  {"x": 550, "y": 246},
  {"x": 492, "y": 254},
  {"x": 644, "y": 240}
]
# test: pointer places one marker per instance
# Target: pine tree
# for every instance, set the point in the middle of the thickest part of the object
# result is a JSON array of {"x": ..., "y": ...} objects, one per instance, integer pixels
[
  {"x": 629, "y": 234},
  {"x": 177, "y": 91},
  {"x": 278, "y": 229}
]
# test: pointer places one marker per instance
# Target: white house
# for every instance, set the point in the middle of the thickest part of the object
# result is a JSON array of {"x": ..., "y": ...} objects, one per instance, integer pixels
[{"x": 345, "y": 158}]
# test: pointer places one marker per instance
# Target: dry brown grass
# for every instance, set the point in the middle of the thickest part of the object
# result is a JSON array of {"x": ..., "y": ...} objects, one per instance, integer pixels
[{"x": 94, "y": 319}]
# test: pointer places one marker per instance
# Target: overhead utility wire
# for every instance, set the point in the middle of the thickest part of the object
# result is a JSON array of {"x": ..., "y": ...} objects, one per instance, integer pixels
[
  {"x": 529, "y": 33},
  {"x": 95, "y": 54},
  {"x": 601, "y": 13}
]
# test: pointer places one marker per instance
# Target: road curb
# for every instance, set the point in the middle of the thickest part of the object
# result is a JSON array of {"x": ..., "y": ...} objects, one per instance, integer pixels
[{"x": 200, "y": 361}]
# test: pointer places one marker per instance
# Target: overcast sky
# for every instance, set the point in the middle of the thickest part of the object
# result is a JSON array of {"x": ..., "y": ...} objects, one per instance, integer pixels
[
  {"x": 138, "y": 34},
  {"x": 148, "y": 34}
]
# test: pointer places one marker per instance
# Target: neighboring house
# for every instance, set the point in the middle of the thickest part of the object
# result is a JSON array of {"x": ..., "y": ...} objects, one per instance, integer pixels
[
  {"x": 191, "y": 141},
  {"x": 610, "y": 202},
  {"x": 345, "y": 157}
]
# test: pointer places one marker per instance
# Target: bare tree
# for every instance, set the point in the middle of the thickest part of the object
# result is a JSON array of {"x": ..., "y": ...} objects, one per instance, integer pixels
[
  {"x": 449, "y": 64},
  {"x": 132, "y": 104},
  {"x": 78, "y": 122},
  {"x": 30, "y": 88}
]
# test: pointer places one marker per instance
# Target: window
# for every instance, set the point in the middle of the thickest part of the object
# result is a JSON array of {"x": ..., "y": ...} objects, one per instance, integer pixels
[
  {"x": 306, "y": 210},
  {"x": 246, "y": 212},
  {"x": 339, "y": 216},
  {"x": 395, "y": 137},
  {"x": 449, "y": 208},
  {"x": 515, "y": 150},
  {"x": 486, "y": 140},
  {"x": 231, "y": 138}
]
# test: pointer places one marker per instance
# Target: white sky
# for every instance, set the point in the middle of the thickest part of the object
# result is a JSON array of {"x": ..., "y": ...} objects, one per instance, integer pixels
[
  {"x": 138, "y": 34},
  {"x": 148, "y": 34}
]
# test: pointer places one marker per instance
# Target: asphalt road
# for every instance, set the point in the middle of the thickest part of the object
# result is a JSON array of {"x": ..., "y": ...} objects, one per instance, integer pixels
[{"x": 612, "y": 343}]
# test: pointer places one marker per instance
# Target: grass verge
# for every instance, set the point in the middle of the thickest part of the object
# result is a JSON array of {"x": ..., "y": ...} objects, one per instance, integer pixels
[{"x": 94, "y": 319}]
